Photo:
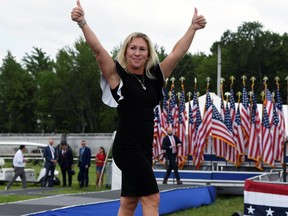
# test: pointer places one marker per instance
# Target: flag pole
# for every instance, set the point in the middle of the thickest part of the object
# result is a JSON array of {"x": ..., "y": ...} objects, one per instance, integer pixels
[{"x": 106, "y": 159}]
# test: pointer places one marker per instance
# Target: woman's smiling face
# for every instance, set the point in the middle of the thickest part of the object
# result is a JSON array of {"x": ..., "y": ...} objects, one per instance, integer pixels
[{"x": 137, "y": 55}]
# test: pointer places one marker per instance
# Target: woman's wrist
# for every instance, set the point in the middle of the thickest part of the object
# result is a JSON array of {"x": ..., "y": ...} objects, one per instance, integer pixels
[
  {"x": 82, "y": 23},
  {"x": 193, "y": 27}
]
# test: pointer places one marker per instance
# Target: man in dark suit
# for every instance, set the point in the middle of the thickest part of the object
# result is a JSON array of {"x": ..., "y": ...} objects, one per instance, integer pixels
[
  {"x": 65, "y": 160},
  {"x": 84, "y": 164},
  {"x": 50, "y": 163},
  {"x": 170, "y": 144}
]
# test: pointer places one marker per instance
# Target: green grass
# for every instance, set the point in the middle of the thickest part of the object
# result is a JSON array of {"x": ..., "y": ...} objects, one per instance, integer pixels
[
  {"x": 223, "y": 206},
  {"x": 58, "y": 189}
]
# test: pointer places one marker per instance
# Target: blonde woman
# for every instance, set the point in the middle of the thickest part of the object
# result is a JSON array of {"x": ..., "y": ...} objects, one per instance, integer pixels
[{"x": 133, "y": 83}]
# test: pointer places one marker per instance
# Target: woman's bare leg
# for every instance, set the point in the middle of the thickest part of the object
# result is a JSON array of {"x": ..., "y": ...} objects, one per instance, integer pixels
[
  {"x": 128, "y": 206},
  {"x": 97, "y": 178},
  {"x": 150, "y": 204}
]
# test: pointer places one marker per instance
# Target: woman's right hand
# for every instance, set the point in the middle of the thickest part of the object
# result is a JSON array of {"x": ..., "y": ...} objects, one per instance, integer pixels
[
  {"x": 77, "y": 13},
  {"x": 198, "y": 21}
]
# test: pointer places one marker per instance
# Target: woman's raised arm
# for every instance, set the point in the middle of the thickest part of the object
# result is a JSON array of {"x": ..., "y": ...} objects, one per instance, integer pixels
[
  {"x": 104, "y": 60},
  {"x": 182, "y": 46}
]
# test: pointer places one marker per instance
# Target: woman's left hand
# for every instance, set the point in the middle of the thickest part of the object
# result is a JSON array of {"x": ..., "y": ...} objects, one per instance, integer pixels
[{"x": 77, "y": 14}]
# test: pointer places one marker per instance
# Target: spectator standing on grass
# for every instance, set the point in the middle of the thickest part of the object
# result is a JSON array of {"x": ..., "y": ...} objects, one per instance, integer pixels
[
  {"x": 19, "y": 163},
  {"x": 84, "y": 164},
  {"x": 49, "y": 154},
  {"x": 65, "y": 160},
  {"x": 100, "y": 160}
]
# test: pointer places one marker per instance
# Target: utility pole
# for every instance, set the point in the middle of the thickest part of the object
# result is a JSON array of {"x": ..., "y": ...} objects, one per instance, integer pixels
[{"x": 219, "y": 71}]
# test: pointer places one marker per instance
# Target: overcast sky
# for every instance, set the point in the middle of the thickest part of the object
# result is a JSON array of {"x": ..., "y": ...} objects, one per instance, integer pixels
[{"x": 46, "y": 24}]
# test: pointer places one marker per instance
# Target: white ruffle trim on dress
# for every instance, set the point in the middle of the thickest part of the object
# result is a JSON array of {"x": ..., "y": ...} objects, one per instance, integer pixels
[{"x": 107, "y": 97}]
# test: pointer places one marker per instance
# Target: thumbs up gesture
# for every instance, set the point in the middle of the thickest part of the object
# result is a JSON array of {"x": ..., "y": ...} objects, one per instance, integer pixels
[
  {"x": 77, "y": 13},
  {"x": 198, "y": 21}
]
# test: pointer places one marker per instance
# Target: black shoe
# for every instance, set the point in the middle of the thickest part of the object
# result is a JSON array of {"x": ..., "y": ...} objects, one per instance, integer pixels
[
  {"x": 179, "y": 182},
  {"x": 165, "y": 182}
]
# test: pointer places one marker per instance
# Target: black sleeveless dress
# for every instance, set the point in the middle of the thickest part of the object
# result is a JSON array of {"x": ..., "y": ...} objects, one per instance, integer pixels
[{"x": 132, "y": 148}]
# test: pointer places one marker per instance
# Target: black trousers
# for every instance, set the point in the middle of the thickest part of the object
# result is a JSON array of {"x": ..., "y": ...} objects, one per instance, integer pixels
[
  {"x": 66, "y": 171},
  {"x": 172, "y": 166},
  {"x": 83, "y": 176}
]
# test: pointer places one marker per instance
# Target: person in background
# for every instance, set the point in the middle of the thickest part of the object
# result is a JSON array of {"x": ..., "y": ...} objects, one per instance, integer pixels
[
  {"x": 133, "y": 83},
  {"x": 84, "y": 164},
  {"x": 66, "y": 163},
  {"x": 170, "y": 145},
  {"x": 49, "y": 154},
  {"x": 19, "y": 163},
  {"x": 100, "y": 160}
]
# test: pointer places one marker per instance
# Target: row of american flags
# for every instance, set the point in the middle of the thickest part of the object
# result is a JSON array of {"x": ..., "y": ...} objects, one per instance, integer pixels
[{"x": 237, "y": 129}]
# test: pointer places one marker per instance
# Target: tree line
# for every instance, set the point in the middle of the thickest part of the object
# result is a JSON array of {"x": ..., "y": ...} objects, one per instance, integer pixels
[{"x": 63, "y": 95}]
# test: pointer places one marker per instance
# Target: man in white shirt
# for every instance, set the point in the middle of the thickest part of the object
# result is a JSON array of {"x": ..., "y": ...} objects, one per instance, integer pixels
[{"x": 19, "y": 163}]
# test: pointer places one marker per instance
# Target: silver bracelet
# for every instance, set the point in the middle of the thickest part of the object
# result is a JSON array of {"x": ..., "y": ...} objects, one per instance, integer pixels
[{"x": 82, "y": 23}]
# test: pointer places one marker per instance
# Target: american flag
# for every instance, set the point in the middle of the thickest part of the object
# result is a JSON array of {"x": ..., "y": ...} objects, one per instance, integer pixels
[
  {"x": 258, "y": 122},
  {"x": 232, "y": 154},
  {"x": 238, "y": 136},
  {"x": 280, "y": 113},
  {"x": 165, "y": 108},
  {"x": 197, "y": 121},
  {"x": 245, "y": 113},
  {"x": 190, "y": 129},
  {"x": 254, "y": 145},
  {"x": 227, "y": 118},
  {"x": 232, "y": 106},
  {"x": 158, "y": 135},
  {"x": 182, "y": 150},
  {"x": 203, "y": 131},
  {"x": 268, "y": 103},
  {"x": 173, "y": 111},
  {"x": 219, "y": 145},
  {"x": 219, "y": 129},
  {"x": 268, "y": 148},
  {"x": 278, "y": 138},
  {"x": 282, "y": 127}
]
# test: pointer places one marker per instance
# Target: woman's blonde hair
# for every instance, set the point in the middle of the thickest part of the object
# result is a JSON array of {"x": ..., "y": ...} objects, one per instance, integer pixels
[{"x": 152, "y": 55}]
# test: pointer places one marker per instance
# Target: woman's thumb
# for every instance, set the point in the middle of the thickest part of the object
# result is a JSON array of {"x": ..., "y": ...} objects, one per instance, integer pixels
[
  {"x": 195, "y": 11},
  {"x": 78, "y": 4}
]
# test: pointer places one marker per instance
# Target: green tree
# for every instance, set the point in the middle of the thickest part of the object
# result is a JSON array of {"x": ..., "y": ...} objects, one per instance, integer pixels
[
  {"x": 17, "y": 97},
  {"x": 42, "y": 70},
  {"x": 251, "y": 51},
  {"x": 78, "y": 103},
  {"x": 37, "y": 61}
]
